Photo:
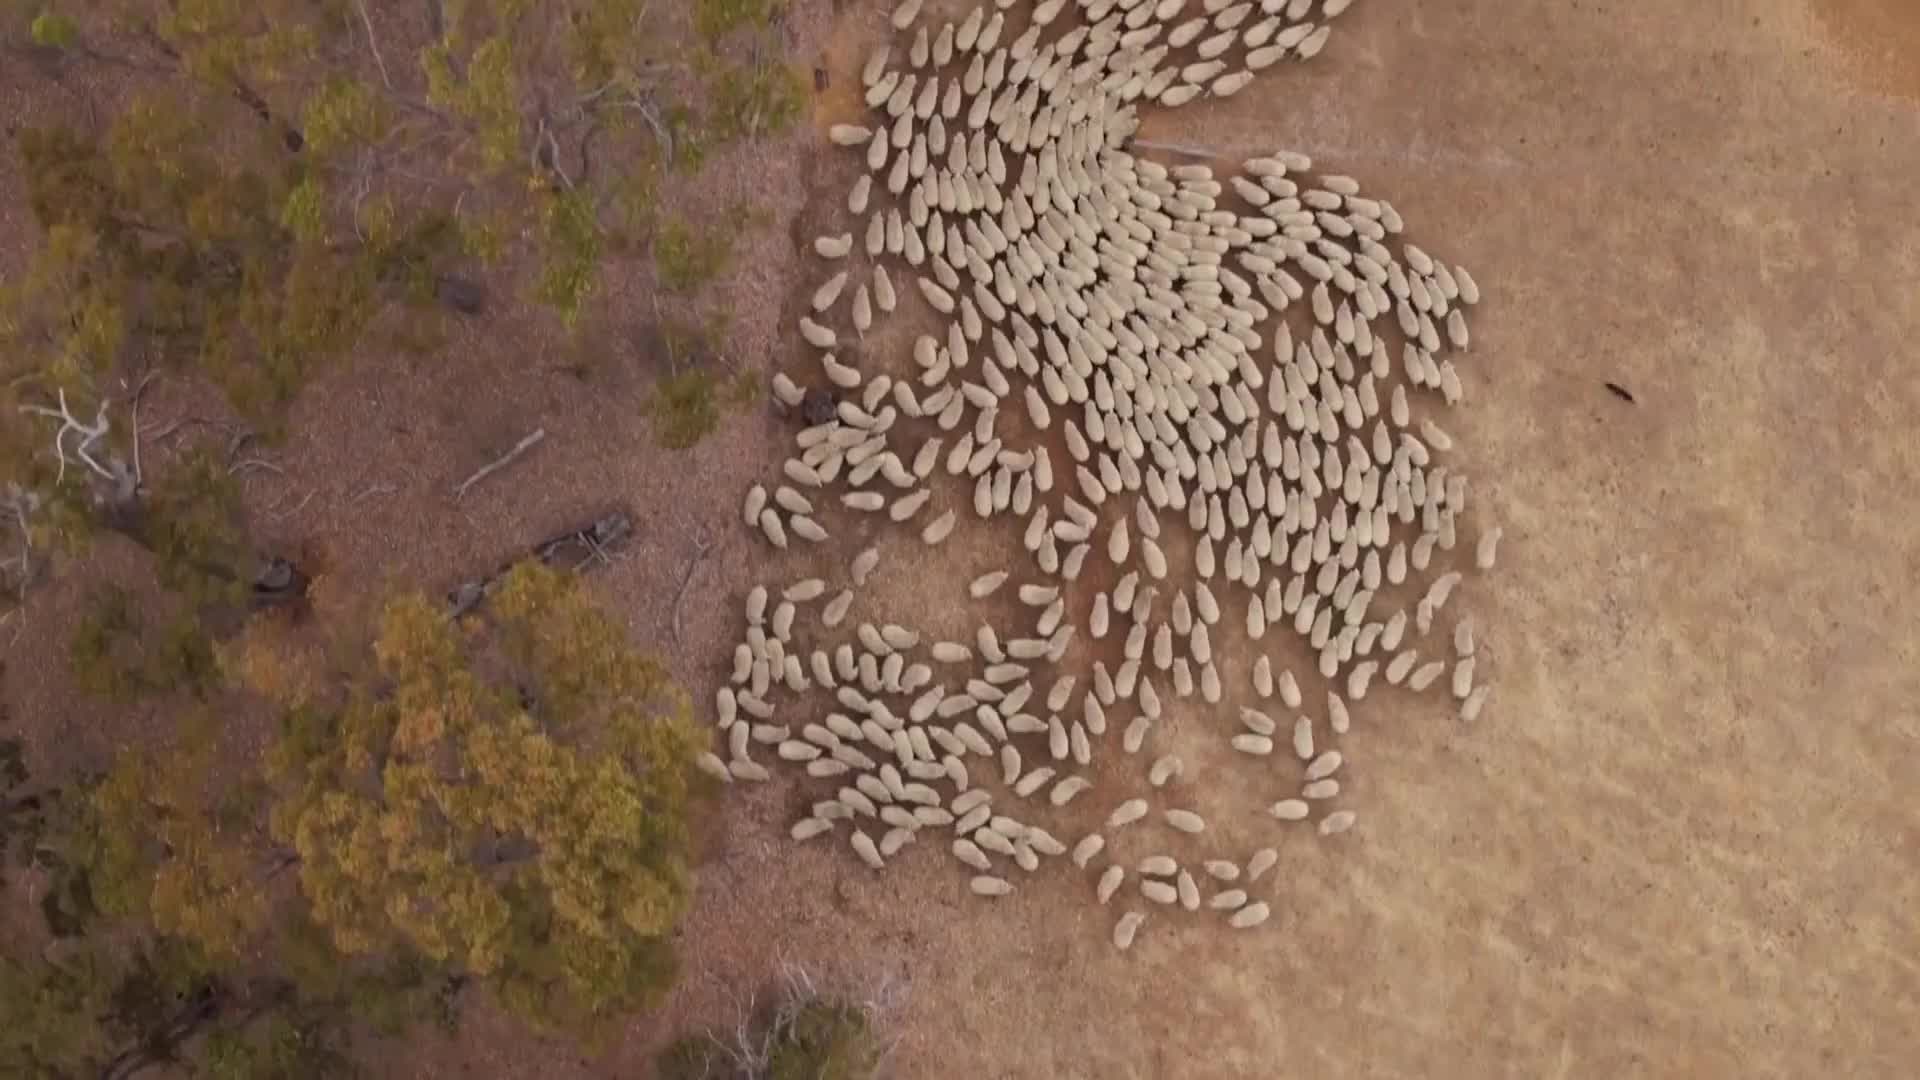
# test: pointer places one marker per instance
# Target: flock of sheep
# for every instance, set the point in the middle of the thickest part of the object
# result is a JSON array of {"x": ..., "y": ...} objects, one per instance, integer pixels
[{"x": 1123, "y": 346}]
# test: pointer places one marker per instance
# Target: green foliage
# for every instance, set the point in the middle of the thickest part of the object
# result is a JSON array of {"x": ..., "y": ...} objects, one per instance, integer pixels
[
  {"x": 195, "y": 531},
  {"x": 285, "y": 1045},
  {"x": 483, "y": 90},
  {"x": 181, "y": 942},
  {"x": 155, "y": 849},
  {"x": 692, "y": 1057},
  {"x": 343, "y": 114},
  {"x": 112, "y": 654},
  {"x": 53, "y": 30},
  {"x": 502, "y": 803},
  {"x": 388, "y": 992},
  {"x": 22, "y": 813},
  {"x": 154, "y": 244},
  {"x": 90, "y": 1001},
  {"x": 507, "y": 798},
  {"x": 806, "y": 1037},
  {"x": 685, "y": 408},
  {"x": 751, "y": 99},
  {"x": 687, "y": 256},
  {"x": 823, "y": 1040},
  {"x": 682, "y": 409},
  {"x": 686, "y": 404},
  {"x": 191, "y": 524},
  {"x": 97, "y": 653},
  {"x": 572, "y": 253},
  {"x": 48, "y": 1011},
  {"x": 716, "y": 18}
]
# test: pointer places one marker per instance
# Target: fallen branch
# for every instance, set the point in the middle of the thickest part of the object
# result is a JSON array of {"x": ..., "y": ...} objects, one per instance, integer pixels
[
  {"x": 373, "y": 43},
  {"x": 701, "y": 546},
  {"x": 243, "y": 465},
  {"x": 90, "y": 434},
  {"x": 1195, "y": 151},
  {"x": 22, "y": 504},
  {"x": 139, "y": 392},
  {"x": 282, "y": 516},
  {"x": 372, "y": 490},
  {"x": 501, "y": 462},
  {"x": 592, "y": 543}
]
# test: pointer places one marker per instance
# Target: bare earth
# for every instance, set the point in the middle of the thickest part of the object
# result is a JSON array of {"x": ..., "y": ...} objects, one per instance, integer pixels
[{"x": 1682, "y": 840}]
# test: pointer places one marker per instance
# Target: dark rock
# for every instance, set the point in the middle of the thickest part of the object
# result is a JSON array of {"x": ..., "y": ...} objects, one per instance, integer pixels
[
  {"x": 461, "y": 294},
  {"x": 819, "y": 407},
  {"x": 277, "y": 583}
]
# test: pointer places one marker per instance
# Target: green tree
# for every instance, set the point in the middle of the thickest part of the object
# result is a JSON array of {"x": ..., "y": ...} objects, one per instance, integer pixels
[
  {"x": 507, "y": 796},
  {"x": 289, "y": 172},
  {"x": 161, "y": 942}
]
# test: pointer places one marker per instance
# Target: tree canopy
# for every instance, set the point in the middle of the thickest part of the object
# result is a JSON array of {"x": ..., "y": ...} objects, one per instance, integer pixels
[
  {"x": 257, "y": 190},
  {"x": 509, "y": 798},
  {"x": 500, "y": 801},
  {"x": 283, "y": 174}
]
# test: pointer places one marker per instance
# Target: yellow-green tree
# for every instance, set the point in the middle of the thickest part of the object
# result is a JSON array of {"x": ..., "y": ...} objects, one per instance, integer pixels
[
  {"x": 507, "y": 795},
  {"x": 287, "y": 172}
]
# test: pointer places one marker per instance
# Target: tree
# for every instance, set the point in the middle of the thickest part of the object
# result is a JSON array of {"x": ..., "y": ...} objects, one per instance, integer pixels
[
  {"x": 507, "y": 795},
  {"x": 282, "y": 180},
  {"x": 161, "y": 941},
  {"x": 90, "y": 1000}
]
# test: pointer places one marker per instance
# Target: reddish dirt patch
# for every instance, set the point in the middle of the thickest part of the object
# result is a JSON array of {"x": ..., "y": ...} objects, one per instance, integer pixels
[{"x": 1881, "y": 39}]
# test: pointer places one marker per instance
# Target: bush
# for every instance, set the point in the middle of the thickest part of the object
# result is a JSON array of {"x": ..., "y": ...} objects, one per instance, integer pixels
[
  {"x": 113, "y": 655},
  {"x": 807, "y": 1036},
  {"x": 716, "y": 18},
  {"x": 687, "y": 257},
  {"x": 822, "y": 1040},
  {"x": 693, "y": 1057}
]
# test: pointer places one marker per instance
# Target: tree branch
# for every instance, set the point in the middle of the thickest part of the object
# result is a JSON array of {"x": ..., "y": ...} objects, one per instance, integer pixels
[
  {"x": 373, "y": 43},
  {"x": 90, "y": 434},
  {"x": 701, "y": 545},
  {"x": 139, "y": 391},
  {"x": 501, "y": 462}
]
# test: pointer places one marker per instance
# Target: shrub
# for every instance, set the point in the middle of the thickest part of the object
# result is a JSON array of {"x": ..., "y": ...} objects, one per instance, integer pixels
[{"x": 822, "y": 1040}]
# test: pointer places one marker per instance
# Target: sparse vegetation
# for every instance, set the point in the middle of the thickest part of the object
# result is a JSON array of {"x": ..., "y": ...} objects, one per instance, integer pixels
[
  {"x": 282, "y": 178},
  {"x": 500, "y": 803},
  {"x": 115, "y": 656},
  {"x": 755, "y": 98},
  {"x": 686, "y": 256},
  {"x": 822, "y": 1039},
  {"x": 804, "y": 1035},
  {"x": 685, "y": 408},
  {"x": 714, "y": 19}
]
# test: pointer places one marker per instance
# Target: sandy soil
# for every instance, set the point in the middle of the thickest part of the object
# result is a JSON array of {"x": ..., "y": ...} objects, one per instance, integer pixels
[
  {"x": 1677, "y": 842},
  {"x": 1681, "y": 840}
]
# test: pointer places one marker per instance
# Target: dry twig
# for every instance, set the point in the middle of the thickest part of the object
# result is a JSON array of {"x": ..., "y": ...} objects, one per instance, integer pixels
[
  {"x": 501, "y": 462},
  {"x": 284, "y": 515},
  {"x": 370, "y": 491},
  {"x": 138, "y": 392},
  {"x": 373, "y": 43},
  {"x": 1194, "y": 151},
  {"x": 701, "y": 545},
  {"x": 244, "y": 464},
  {"x": 90, "y": 434}
]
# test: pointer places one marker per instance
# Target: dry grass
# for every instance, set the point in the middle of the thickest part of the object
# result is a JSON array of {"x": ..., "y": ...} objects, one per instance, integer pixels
[{"x": 804, "y": 1029}]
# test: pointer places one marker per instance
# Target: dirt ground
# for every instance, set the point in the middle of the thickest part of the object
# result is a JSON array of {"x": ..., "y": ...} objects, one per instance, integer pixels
[
  {"x": 1681, "y": 841},
  {"x": 1682, "y": 838}
]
